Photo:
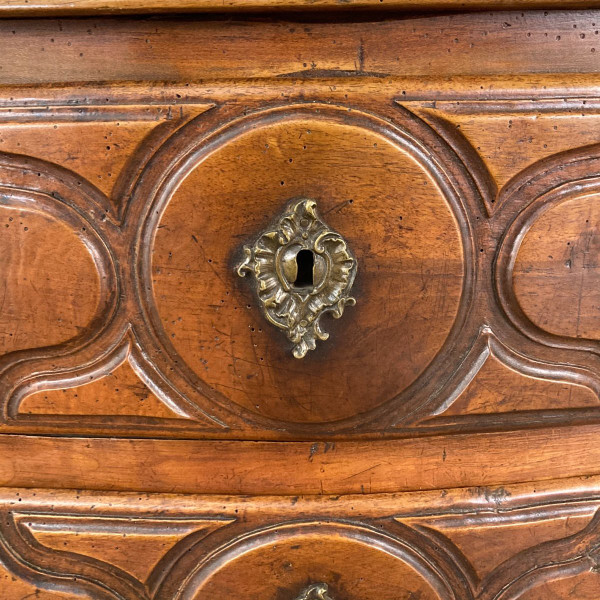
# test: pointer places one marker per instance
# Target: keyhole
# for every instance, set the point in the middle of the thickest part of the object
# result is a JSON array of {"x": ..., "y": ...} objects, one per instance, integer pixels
[{"x": 305, "y": 261}]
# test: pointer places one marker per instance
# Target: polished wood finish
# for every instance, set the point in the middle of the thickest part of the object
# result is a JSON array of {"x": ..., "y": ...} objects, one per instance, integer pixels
[
  {"x": 441, "y": 260},
  {"x": 374, "y": 49},
  {"x": 291, "y": 468},
  {"x": 36, "y": 8},
  {"x": 442, "y": 443},
  {"x": 480, "y": 543}
]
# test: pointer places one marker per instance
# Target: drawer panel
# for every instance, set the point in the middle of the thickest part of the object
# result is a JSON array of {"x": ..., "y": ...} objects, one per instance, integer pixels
[
  {"x": 482, "y": 543},
  {"x": 468, "y": 216}
]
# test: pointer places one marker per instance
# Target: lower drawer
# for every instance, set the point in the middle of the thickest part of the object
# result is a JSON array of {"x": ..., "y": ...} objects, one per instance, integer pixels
[{"x": 529, "y": 542}]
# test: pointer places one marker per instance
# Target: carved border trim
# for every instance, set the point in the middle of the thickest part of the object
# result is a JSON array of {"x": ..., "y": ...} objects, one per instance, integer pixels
[{"x": 403, "y": 130}]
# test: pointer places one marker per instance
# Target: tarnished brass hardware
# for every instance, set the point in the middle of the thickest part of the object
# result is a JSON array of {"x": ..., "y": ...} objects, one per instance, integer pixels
[
  {"x": 303, "y": 269},
  {"x": 317, "y": 591}
]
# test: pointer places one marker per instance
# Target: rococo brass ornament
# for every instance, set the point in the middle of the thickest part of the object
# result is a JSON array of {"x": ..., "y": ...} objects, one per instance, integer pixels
[
  {"x": 303, "y": 269},
  {"x": 317, "y": 591}
]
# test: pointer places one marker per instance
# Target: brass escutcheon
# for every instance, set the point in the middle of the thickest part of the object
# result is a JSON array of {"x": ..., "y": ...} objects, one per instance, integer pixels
[
  {"x": 316, "y": 591},
  {"x": 303, "y": 269}
]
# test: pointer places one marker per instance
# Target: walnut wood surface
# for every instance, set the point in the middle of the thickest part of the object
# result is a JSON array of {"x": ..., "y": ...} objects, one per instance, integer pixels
[
  {"x": 188, "y": 49},
  {"x": 481, "y": 543},
  {"x": 460, "y": 248},
  {"x": 289, "y": 468},
  {"x": 442, "y": 443},
  {"x": 27, "y": 8}
]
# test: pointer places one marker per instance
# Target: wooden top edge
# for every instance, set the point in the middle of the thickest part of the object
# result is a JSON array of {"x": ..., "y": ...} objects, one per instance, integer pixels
[
  {"x": 41, "y": 8},
  {"x": 361, "y": 52}
]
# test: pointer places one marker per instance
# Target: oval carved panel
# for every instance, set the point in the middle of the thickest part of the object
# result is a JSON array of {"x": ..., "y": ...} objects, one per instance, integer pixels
[
  {"x": 50, "y": 286},
  {"x": 559, "y": 261},
  {"x": 348, "y": 560},
  {"x": 403, "y": 230},
  {"x": 426, "y": 239}
]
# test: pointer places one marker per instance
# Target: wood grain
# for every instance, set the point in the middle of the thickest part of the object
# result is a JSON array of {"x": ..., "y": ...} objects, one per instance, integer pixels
[
  {"x": 20, "y": 8},
  {"x": 442, "y": 444},
  {"x": 427, "y": 238},
  {"x": 568, "y": 268},
  {"x": 192, "y": 49},
  {"x": 186, "y": 466},
  {"x": 239, "y": 354},
  {"x": 142, "y": 546}
]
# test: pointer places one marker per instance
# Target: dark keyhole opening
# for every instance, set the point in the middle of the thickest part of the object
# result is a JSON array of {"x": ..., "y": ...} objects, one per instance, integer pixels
[{"x": 305, "y": 261}]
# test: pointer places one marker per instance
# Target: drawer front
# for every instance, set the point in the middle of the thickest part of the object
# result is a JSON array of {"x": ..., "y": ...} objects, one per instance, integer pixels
[
  {"x": 520, "y": 542},
  {"x": 450, "y": 223}
]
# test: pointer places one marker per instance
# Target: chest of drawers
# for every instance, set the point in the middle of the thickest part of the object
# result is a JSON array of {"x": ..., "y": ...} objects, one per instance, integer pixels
[{"x": 299, "y": 300}]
